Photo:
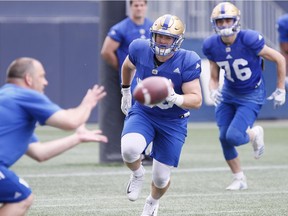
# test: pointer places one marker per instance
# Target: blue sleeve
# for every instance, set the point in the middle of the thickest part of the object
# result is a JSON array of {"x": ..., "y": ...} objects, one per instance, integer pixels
[
  {"x": 38, "y": 105},
  {"x": 195, "y": 67},
  {"x": 119, "y": 30},
  {"x": 253, "y": 40},
  {"x": 134, "y": 48},
  {"x": 207, "y": 44},
  {"x": 115, "y": 33}
]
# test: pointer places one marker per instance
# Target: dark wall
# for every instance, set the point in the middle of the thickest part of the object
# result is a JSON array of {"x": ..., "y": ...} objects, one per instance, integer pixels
[
  {"x": 40, "y": 9},
  {"x": 62, "y": 35}
]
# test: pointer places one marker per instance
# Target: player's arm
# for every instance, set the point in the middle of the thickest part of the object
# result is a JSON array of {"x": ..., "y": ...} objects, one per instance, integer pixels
[
  {"x": 284, "y": 52},
  {"x": 108, "y": 52},
  {"x": 284, "y": 48},
  {"x": 215, "y": 92},
  {"x": 68, "y": 119},
  {"x": 127, "y": 72},
  {"x": 214, "y": 76},
  {"x": 46, "y": 150},
  {"x": 192, "y": 97},
  {"x": 273, "y": 55}
]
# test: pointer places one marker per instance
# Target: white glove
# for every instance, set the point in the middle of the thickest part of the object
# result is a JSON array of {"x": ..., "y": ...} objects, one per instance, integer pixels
[
  {"x": 279, "y": 96},
  {"x": 216, "y": 96},
  {"x": 175, "y": 98},
  {"x": 126, "y": 101}
]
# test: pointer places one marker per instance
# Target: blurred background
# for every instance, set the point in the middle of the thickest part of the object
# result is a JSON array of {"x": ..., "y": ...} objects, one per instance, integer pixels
[{"x": 66, "y": 36}]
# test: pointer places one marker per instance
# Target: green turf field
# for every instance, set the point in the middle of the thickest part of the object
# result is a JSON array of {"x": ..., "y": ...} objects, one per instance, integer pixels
[{"x": 76, "y": 184}]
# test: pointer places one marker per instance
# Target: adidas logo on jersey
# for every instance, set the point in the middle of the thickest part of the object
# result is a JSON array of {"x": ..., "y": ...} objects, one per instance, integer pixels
[
  {"x": 17, "y": 194},
  {"x": 2, "y": 176},
  {"x": 228, "y": 56},
  {"x": 176, "y": 70},
  {"x": 260, "y": 37}
]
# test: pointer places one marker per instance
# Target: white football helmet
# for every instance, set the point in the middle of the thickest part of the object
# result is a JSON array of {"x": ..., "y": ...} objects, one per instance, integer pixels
[
  {"x": 168, "y": 25},
  {"x": 226, "y": 10}
]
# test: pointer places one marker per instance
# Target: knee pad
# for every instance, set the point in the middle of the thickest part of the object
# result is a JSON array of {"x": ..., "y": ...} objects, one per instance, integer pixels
[
  {"x": 132, "y": 145},
  {"x": 161, "y": 174}
]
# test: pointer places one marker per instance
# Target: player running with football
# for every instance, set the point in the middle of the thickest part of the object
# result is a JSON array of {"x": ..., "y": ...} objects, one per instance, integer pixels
[
  {"x": 165, "y": 124},
  {"x": 240, "y": 54}
]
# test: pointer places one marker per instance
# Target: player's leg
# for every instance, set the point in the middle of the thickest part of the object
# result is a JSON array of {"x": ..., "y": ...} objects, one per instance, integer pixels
[
  {"x": 239, "y": 181},
  {"x": 166, "y": 150},
  {"x": 136, "y": 132},
  {"x": 146, "y": 159},
  {"x": 132, "y": 145},
  {"x": 241, "y": 124},
  {"x": 160, "y": 184},
  {"x": 241, "y": 128},
  {"x": 256, "y": 135},
  {"x": 18, "y": 208},
  {"x": 237, "y": 135},
  {"x": 15, "y": 194},
  {"x": 224, "y": 116},
  {"x": 233, "y": 161}
]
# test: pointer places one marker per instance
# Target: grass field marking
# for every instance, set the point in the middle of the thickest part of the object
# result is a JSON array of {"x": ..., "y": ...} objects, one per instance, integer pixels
[
  {"x": 117, "y": 210},
  {"x": 225, "y": 192},
  {"x": 217, "y": 169},
  {"x": 167, "y": 196},
  {"x": 194, "y": 125},
  {"x": 178, "y": 170},
  {"x": 264, "y": 123}
]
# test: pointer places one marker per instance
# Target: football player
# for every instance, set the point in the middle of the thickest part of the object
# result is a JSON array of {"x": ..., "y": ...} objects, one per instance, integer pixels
[
  {"x": 240, "y": 54},
  {"x": 166, "y": 123},
  {"x": 115, "y": 47},
  {"x": 22, "y": 105},
  {"x": 119, "y": 37}
]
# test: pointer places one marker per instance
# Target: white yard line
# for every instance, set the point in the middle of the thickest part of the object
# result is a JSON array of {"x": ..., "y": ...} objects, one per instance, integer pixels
[{"x": 125, "y": 172}]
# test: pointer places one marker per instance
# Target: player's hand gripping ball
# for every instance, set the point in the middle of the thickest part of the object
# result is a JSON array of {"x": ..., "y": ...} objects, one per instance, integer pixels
[{"x": 152, "y": 90}]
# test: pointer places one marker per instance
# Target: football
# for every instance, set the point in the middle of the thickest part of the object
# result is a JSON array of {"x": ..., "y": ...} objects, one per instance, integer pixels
[{"x": 152, "y": 90}]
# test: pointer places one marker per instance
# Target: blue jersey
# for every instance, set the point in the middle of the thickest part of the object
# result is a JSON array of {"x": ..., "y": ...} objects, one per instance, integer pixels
[
  {"x": 283, "y": 28},
  {"x": 240, "y": 61},
  {"x": 183, "y": 66},
  {"x": 20, "y": 110},
  {"x": 125, "y": 32}
]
